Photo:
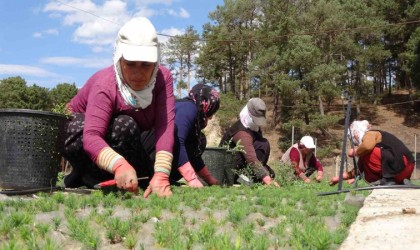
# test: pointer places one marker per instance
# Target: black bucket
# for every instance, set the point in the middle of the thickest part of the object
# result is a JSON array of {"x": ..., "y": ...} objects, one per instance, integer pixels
[
  {"x": 220, "y": 163},
  {"x": 30, "y": 148}
]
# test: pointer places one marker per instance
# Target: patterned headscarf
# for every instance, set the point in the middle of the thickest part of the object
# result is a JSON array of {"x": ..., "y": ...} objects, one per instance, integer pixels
[
  {"x": 206, "y": 98},
  {"x": 359, "y": 128}
]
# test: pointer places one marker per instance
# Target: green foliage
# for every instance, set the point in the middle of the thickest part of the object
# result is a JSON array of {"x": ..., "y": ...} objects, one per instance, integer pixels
[
  {"x": 415, "y": 69},
  {"x": 62, "y": 93},
  {"x": 229, "y": 110},
  {"x": 14, "y": 93},
  {"x": 318, "y": 123},
  {"x": 37, "y": 98},
  {"x": 285, "y": 175}
]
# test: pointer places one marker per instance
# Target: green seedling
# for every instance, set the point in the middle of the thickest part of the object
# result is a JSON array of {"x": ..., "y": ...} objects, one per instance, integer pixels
[
  {"x": 56, "y": 222},
  {"x": 168, "y": 233},
  {"x": 246, "y": 231},
  {"x": 81, "y": 231},
  {"x": 117, "y": 230},
  {"x": 130, "y": 241},
  {"x": 207, "y": 230},
  {"x": 49, "y": 244},
  {"x": 42, "y": 229}
]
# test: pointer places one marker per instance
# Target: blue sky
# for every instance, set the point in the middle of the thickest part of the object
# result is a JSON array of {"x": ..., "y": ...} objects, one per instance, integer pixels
[{"x": 47, "y": 42}]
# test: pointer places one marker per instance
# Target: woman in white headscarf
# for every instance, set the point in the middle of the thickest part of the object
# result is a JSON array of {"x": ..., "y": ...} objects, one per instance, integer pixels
[
  {"x": 382, "y": 156},
  {"x": 247, "y": 132},
  {"x": 115, "y": 105}
]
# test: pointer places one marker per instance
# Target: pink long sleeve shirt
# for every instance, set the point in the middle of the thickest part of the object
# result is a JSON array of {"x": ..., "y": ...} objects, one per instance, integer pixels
[{"x": 100, "y": 100}]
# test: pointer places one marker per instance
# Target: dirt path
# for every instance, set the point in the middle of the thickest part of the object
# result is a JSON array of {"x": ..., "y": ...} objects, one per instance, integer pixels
[
  {"x": 383, "y": 224},
  {"x": 392, "y": 122}
]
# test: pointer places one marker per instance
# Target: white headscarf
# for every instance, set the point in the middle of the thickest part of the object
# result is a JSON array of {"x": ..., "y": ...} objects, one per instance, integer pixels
[
  {"x": 359, "y": 128},
  {"x": 133, "y": 98},
  {"x": 246, "y": 120}
]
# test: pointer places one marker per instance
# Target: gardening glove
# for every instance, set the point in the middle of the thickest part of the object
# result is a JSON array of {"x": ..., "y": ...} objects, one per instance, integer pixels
[
  {"x": 159, "y": 185},
  {"x": 334, "y": 180},
  {"x": 268, "y": 181},
  {"x": 352, "y": 152},
  {"x": 319, "y": 176},
  {"x": 304, "y": 178},
  {"x": 125, "y": 176},
  {"x": 351, "y": 181},
  {"x": 207, "y": 177},
  {"x": 189, "y": 175}
]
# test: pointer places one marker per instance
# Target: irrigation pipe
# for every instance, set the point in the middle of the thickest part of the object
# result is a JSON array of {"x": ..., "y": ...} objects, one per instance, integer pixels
[{"x": 369, "y": 188}]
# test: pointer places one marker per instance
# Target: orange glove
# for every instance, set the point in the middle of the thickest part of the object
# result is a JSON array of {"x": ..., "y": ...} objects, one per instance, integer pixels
[
  {"x": 268, "y": 181},
  {"x": 304, "y": 178},
  {"x": 207, "y": 177},
  {"x": 334, "y": 180},
  {"x": 319, "y": 176},
  {"x": 125, "y": 176},
  {"x": 187, "y": 171},
  {"x": 159, "y": 185}
]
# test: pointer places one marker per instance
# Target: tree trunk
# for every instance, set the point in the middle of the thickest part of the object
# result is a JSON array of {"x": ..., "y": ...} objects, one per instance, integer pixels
[{"x": 321, "y": 106}]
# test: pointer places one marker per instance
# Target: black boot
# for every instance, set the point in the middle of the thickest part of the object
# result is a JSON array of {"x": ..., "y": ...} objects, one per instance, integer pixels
[
  {"x": 73, "y": 180},
  {"x": 407, "y": 182},
  {"x": 388, "y": 181}
]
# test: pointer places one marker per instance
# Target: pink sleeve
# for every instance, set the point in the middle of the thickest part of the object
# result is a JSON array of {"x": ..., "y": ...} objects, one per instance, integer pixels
[
  {"x": 295, "y": 157},
  {"x": 165, "y": 114},
  {"x": 97, "y": 117}
]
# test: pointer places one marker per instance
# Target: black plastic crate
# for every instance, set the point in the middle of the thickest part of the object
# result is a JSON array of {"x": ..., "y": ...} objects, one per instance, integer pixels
[
  {"x": 30, "y": 148},
  {"x": 220, "y": 163}
]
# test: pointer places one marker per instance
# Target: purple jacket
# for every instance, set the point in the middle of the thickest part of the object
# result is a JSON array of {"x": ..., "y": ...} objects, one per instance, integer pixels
[{"x": 100, "y": 100}]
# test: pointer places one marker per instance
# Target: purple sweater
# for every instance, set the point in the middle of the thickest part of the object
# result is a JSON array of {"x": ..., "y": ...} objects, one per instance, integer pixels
[{"x": 100, "y": 100}]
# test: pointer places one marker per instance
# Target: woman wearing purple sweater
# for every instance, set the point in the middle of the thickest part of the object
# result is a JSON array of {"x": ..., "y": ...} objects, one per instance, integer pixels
[{"x": 112, "y": 109}]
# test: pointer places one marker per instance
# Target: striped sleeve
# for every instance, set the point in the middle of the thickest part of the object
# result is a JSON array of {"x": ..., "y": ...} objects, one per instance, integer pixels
[
  {"x": 107, "y": 158},
  {"x": 163, "y": 162}
]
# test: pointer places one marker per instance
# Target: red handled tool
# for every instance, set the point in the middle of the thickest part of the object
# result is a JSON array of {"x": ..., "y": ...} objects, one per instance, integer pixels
[{"x": 112, "y": 183}]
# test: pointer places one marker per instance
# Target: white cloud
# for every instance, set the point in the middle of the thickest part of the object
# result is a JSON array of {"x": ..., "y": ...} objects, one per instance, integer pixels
[
  {"x": 41, "y": 34},
  {"x": 51, "y": 32},
  {"x": 173, "y": 31},
  {"x": 170, "y": 32},
  {"x": 146, "y": 12},
  {"x": 37, "y": 35},
  {"x": 16, "y": 69},
  {"x": 79, "y": 62},
  {"x": 182, "y": 13},
  {"x": 147, "y": 2},
  {"x": 97, "y": 25}
]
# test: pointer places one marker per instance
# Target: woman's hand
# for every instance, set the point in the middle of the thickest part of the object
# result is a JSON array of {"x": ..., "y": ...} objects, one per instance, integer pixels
[
  {"x": 125, "y": 176},
  {"x": 352, "y": 152},
  {"x": 268, "y": 181},
  {"x": 159, "y": 185}
]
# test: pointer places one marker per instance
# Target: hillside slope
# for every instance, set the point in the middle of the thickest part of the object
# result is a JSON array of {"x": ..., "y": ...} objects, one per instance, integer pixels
[{"x": 400, "y": 120}]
